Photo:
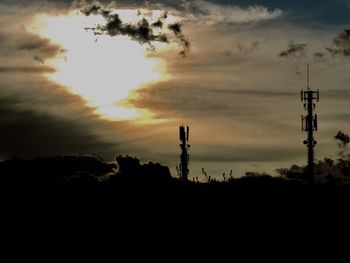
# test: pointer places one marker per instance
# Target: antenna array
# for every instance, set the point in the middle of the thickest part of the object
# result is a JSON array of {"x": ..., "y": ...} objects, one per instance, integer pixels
[
  {"x": 183, "y": 170},
  {"x": 309, "y": 122}
]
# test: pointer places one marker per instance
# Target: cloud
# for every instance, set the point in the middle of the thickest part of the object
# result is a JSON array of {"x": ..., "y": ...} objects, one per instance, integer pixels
[
  {"x": 246, "y": 49},
  {"x": 174, "y": 98},
  {"x": 211, "y": 13},
  {"x": 33, "y": 43},
  {"x": 296, "y": 51},
  {"x": 341, "y": 45},
  {"x": 240, "y": 48},
  {"x": 181, "y": 39},
  {"x": 143, "y": 30},
  {"x": 339, "y": 49},
  {"x": 239, "y": 108},
  {"x": 94, "y": 9},
  {"x": 248, "y": 153},
  {"x": 19, "y": 48},
  {"x": 39, "y": 59},
  {"x": 29, "y": 133},
  {"x": 319, "y": 56},
  {"x": 33, "y": 69}
]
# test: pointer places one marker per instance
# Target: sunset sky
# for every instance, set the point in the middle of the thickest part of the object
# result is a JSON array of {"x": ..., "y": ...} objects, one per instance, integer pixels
[{"x": 84, "y": 77}]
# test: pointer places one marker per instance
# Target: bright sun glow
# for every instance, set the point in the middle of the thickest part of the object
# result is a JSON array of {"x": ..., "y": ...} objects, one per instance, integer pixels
[{"x": 104, "y": 71}]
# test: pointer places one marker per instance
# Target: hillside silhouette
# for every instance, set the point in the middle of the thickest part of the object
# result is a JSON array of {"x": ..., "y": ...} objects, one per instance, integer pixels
[
  {"x": 129, "y": 175},
  {"x": 74, "y": 190}
]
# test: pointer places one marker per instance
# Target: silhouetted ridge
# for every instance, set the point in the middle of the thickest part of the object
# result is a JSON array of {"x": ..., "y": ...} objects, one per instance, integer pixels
[
  {"x": 55, "y": 169},
  {"x": 82, "y": 169}
]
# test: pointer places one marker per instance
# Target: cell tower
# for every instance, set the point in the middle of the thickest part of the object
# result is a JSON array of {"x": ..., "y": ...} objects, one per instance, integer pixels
[
  {"x": 185, "y": 157},
  {"x": 309, "y": 123}
]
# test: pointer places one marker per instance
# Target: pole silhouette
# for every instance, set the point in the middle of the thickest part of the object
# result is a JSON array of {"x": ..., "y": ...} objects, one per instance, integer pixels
[
  {"x": 183, "y": 170},
  {"x": 309, "y": 124}
]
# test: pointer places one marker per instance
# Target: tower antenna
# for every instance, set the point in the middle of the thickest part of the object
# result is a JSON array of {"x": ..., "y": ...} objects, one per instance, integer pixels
[
  {"x": 183, "y": 170},
  {"x": 309, "y": 123},
  {"x": 308, "y": 76}
]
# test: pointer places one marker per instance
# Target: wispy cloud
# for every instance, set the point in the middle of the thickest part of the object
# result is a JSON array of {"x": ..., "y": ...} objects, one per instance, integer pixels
[
  {"x": 239, "y": 48},
  {"x": 33, "y": 69},
  {"x": 319, "y": 56},
  {"x": 294, "y": 51},
  {"x": 212, "y": 13},
  {"x": 341, "y": 44}
]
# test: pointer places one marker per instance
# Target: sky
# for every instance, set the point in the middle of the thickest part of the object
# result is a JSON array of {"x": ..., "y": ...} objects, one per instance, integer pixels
[{"x": 88, "y": 77}]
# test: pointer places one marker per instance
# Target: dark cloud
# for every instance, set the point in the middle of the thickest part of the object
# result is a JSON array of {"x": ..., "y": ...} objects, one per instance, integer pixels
[
  {"x": 176, "y": 28},
  {"x": 318, "y": 56},
  {"x": 341, "y": 44},
  {"x": 23, "y": 45},
  {"x": 94, "y": 9},
  {"x": 141, "y": 32},
  {"x": 296, "y": 51},
  {"x": 39, "y": 59},
  {"x": 239, "y": 48},
  {"x": 246, "y": 49},
  {"x": 37, "y": 44},
  {"x": 144, "y": 31},
  {"x": 29, "y": 133},
  {"x": 178, "y": 98},
  {"x": 261, "y": 93},
  {"x": 181, "y": 39},
  {"x": 160, "y": 22},
  {"x": 33, "y": 69},
  {"x": 227, "y": 53}
]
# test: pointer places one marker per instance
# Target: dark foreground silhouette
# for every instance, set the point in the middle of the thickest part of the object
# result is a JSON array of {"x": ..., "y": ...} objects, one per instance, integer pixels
[
  {"x": 70, "y": 200},
  {"x": 92, "y": 177},
  {"x": 87, "y": 192}
]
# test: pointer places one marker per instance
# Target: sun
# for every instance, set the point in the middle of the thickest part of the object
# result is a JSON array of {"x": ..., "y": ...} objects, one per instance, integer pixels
[{"x": 105, "y": 71}]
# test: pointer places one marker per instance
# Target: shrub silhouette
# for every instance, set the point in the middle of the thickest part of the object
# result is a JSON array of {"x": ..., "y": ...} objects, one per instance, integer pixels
[
  {"x": 327, "y": 171},
  {"x": 131, "y": 168},
  {"x": 55, "y": 169}
]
